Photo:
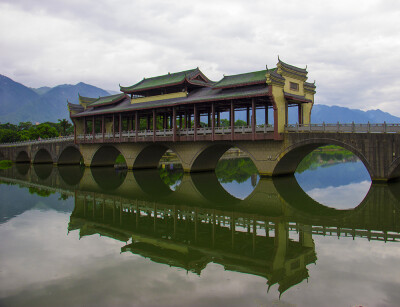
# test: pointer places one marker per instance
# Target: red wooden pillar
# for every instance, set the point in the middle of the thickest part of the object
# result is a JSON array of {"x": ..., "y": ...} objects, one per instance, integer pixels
[
  {"x": 212, "y": 121},
  {"x": 190, "y": 120},
  {"x": 136, "y": 126},
  {"x": 74, "y": 133},
  {"x": 247, "y": 116},
  {"x": 173, "y": 124},
  {"x": 266, "y": 113},
  {"x": 148, "y": 122},
  {"x": 120, "y": 127},
  {"x": 232, "y": 118},
  {"x": 171, "y": 121},
  {"x": 102, "y": 127},
  {"x": 180, "y": 121},
  {"x": 195, "y": 122},
  {"x": 84, "y": 129},
  {"x": 113, "y": 125},
  {"x": 253, "y": 119},
  {"x": 300, "y": 114},
  {"x": 93, "y": 131},
  {"x": 154, "y": 125},
  {"x": 218, "y": 119}
]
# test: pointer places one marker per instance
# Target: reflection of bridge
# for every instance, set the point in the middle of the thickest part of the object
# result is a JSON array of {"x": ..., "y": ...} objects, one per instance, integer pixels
[
  {"x": 201, "y": 223},
  {"x": 378, "y": 150}
]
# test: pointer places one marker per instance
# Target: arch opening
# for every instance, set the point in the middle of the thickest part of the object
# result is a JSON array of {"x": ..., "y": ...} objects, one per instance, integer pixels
[
  {"x": 237, "y": 173},
  {"x": 22, "y": 157},
  {"x": 334, "y": 177},
  {"x": 42, "y": 157},
  {"x": 170, "y": 169},
  {"x": 234, "y": 168},
  {"x": 69, "y": 156},
  {"x": 108, "y": 156}
]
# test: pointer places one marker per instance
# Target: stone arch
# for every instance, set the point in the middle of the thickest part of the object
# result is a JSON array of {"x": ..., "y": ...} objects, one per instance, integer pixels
[
  {"x": 70, "y": 155},
  {"x": 289, "y": 159},
  {"x": 394, "y": 170},
  {"x": 22, "y": 157},
  {"x": 42, "y": 156},
  {"x": 150, "y": 156},
  {"x": 207, "y": 157},
  {"x": 105, "y": 156}
]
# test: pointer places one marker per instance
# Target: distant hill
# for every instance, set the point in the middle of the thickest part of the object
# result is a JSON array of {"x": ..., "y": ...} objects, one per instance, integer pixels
[
  {"x": 41, "y": 90},
  {"x": 333, "y": 114},
  {"x": 20, "y": 103}
]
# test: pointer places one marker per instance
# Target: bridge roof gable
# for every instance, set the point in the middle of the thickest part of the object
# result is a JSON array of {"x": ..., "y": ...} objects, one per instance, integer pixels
[
  {"x": 255, "y": 77},
  {"x": 107, "y": 100},
  {"x": 192, "y": 76}
]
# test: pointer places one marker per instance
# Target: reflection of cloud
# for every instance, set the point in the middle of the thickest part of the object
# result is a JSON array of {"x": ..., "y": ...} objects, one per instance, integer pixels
[{"x": 342, "y": 197}]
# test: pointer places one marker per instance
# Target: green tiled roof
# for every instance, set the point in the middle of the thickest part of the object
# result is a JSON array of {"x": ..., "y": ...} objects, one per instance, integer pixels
[
  {"x": 160, "y": 81},
  {"x": 107, "y": 100},
  {"x": 86, "y": 99},
  {"x": 254, "y": 77}
]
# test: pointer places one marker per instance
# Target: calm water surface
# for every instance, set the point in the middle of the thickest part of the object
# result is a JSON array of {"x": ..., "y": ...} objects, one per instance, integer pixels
[{"x": 80, "y": 237}]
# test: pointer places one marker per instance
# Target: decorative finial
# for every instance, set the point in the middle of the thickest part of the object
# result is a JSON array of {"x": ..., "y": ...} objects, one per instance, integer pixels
[
  {"x": 266, "y": 66},
  {"x": 279, "y": 58},
  {"x": 314, "y": 82},
  {"x": 306, "y": 67},
  {"x": 119, "y": 84}
]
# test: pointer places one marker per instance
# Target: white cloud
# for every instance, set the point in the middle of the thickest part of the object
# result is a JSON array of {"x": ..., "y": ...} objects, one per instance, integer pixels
[{"x": 351, "y": 48}]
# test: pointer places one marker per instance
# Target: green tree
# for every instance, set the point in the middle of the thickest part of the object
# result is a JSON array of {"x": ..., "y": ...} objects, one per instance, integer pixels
[
  {"x": 43, "y": 131},
  {"x": 64, "y": 125},
  {"x": 240, "y": 123}
]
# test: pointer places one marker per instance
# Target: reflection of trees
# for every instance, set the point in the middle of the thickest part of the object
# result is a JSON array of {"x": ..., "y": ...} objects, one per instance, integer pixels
[
  {"x": 40, "y": 192},
  {"x": 325, "y": 156},
  {"x": 238, "y": 170},
  {"x": 171, "y": 176}
]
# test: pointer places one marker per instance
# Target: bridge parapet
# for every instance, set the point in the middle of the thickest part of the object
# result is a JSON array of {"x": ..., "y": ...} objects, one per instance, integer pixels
[
  {"x": 347, "y": 128},
  {"x": 38, "y": 142}
]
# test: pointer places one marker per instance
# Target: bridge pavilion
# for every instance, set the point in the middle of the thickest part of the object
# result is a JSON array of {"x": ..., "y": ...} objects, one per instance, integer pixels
[{"x": 172, "y": 105}]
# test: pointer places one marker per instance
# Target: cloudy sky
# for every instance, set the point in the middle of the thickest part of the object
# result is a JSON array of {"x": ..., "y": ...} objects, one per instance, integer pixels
[{"x": 351, "y": 48}]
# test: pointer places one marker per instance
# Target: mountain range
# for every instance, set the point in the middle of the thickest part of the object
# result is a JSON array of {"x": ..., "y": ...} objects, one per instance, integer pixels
[{"x": 19, "y": 103}]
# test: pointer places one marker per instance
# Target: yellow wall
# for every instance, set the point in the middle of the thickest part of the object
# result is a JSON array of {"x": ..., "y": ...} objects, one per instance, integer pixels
[
  {"x": 159, "y": 97},
  {"x": 78, "y": 122},
  {"x": 287, "y": 86},
  {"x": 280, "y": 101}
]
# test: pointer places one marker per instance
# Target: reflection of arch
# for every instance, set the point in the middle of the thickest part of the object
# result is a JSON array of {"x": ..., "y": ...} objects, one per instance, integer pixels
[
  {"x": 43, "y": 171},
  {"x": 105, "y": 156},
  {"x": 71, "y": 174},
  {"x": 289, "y": 189},
  {"x": 294, "y": 154},
  {"x": 70, "y": 155},
  {"x": 22, "y": 168},
  {"x": 22, "y": 157},
  {"x": 42, "y": 156},
  {"x": 149, "y": 157},
  {"x": 108, "y": 178},
  {"x": 151, "y": 183},
  {"x": 208, "y": 186}
]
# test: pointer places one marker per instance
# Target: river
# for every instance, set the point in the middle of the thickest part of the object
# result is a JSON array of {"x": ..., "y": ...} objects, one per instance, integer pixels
[{"x": 73, "y": 236}]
